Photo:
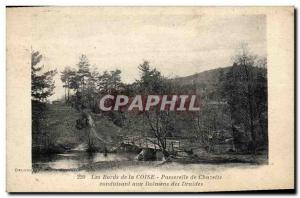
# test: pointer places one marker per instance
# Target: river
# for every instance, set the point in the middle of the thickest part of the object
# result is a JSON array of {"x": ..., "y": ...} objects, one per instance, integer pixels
[
  {"x": 73, "y": 160},
  {"x": 77, "y": 159}
]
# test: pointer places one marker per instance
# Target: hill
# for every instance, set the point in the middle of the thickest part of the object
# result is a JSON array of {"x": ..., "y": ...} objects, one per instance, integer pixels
[{"x": 207, "y": 77}]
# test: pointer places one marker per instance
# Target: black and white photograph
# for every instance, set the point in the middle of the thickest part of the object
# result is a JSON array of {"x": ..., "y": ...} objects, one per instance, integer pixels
[{"x": 223, "y": 64}]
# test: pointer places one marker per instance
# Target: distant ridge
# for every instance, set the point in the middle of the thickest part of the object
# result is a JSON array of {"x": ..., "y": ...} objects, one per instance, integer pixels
[{"x": 205, "y": 77}]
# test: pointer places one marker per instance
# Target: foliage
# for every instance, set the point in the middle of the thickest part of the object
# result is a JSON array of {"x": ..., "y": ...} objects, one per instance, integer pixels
[
  {"x": 42, "y": 85},
  {"x": 245, "y": 89},
  {"x": 234, "y": 101}
]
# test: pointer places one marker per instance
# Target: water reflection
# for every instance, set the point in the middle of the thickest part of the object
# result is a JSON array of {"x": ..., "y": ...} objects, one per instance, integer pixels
[{"x": 77, "y": 159}]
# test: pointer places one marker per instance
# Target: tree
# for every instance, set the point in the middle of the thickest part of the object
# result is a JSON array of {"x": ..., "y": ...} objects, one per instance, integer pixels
[
  {"x": 79, "y": 83},
  {"x": 83, "y": 72},
  {"x": 68, "y": 78},
  {"x": 110, "y": 82},
  {"x": 261, "y": 98},
  {"x": 244, "y": 88},
  {"x": 151, "y": 79},
  {"x": 42, "y": 84},
  {"x": 92, "y": 90},
  {"x": 161, "y": 123}
]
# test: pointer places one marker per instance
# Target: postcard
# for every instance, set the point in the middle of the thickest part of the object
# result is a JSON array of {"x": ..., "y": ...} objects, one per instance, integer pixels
[{"x": 150, "y": 99}]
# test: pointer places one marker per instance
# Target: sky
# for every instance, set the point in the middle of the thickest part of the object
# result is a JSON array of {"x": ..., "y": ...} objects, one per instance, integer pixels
[{"x": 176, "y": 44}]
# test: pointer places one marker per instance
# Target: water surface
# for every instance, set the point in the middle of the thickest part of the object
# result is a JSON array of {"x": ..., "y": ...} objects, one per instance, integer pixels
[{"x": 73, "y": 160}]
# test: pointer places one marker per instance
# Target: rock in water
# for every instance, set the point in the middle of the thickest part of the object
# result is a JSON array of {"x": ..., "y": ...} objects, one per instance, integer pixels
[{"x": 147, "y": 154}]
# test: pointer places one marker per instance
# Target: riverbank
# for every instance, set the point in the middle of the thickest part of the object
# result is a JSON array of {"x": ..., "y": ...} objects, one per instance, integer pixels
[
  {"x": 123, "y": 161},
  {"x": 173, "y": 162}
]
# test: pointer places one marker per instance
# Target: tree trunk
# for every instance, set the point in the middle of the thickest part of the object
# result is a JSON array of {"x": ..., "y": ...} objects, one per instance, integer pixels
[
  {"x": 65, "y": 93},
  {"x": 68, "y": 91}
]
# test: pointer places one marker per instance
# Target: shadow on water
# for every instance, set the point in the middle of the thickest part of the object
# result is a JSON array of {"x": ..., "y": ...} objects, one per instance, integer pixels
[{"x": 73, "y": 160}]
